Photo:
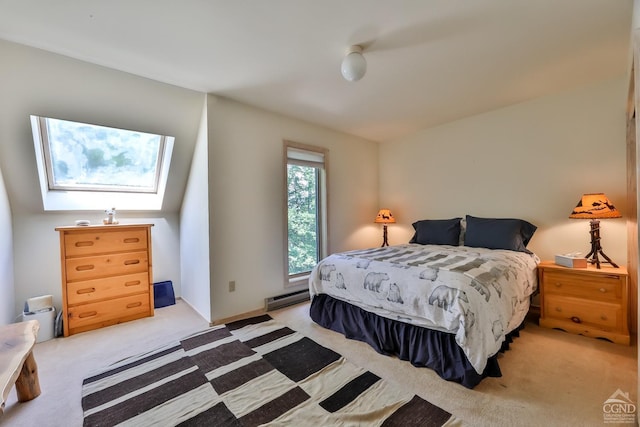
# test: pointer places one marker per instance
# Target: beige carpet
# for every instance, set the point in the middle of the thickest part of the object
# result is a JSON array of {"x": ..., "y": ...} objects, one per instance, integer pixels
[{"x": 550, "y": 378}]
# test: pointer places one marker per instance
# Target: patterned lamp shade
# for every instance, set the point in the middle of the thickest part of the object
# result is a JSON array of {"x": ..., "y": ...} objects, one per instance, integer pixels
[
  {"x": 385, "y": 217},
  {"x": 595, "y": 206}
]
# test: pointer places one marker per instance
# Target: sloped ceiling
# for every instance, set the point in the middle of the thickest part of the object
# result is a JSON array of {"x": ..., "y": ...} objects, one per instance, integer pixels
[{"x": 429, "y": 61}]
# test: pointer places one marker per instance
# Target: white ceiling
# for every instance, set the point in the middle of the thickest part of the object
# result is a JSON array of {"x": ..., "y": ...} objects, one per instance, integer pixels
[{"x": 429, "y": 61}]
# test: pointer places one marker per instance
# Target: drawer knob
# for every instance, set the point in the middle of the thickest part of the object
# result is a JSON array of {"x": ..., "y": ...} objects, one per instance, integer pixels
[
  {"x": 85, "y": 267},
  {"x": 558, "y": 284},
  {"x": 131, "y": 240},
  {"x": 87, "y": 314},
  {"x": 603, "y": 317},
  {"x": 85, "y": 291},
  {"x": 134, "y": 304},
  {"x": 576, "y": 319},
  {"x": 603, "y": 290},
  {"x": 558, "y": 309},
  {"x": 132, "y": 283},
  {"x": 82, "y": 244},
  {"x": 131, "y": 261}
]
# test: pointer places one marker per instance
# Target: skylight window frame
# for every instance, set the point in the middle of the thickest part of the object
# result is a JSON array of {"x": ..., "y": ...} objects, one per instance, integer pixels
[
  {"x": 93, "y": 200},
  {"x": 48, "y": 164}
]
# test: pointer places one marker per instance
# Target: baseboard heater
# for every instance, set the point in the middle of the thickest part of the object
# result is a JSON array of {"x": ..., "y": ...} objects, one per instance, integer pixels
[{"x": 284, "y": 300}]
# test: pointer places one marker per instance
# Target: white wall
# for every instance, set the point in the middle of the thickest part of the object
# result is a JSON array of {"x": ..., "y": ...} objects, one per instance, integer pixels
[
  {"x": 194, "y": 227},
  {"x": 247, "y": 193},
  {"x": 42, "y": 83},
  {"x": 33, "y": 81},
  {"x": 245, "y": 168},
  {"x": 7, "y": 294},
  {"x": 532, "y": 160}
]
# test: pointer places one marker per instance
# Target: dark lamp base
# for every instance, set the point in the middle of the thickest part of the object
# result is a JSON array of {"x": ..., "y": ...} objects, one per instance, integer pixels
[{"x": 596, "y": 250}]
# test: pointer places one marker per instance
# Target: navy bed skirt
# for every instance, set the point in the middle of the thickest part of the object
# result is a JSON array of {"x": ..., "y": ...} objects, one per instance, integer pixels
[{"x": 421, "y": 346}]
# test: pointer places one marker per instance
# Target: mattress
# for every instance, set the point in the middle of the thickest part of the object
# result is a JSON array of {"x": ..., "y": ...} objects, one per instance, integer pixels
[{"x": 479, "y": 295}]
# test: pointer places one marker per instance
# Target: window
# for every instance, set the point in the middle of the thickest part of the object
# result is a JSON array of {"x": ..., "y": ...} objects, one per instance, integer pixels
[
  {"x": 306, "y": 209},
  {"x": 80, "y": 164}
]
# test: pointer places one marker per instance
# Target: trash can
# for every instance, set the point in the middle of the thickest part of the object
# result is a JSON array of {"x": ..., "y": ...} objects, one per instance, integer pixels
[{"x": 41, "y": 309}]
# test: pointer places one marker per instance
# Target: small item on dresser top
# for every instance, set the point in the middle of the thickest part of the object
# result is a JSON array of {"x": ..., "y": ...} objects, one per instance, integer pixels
[
  {"x": 83, "y": 222},
  {"x": 572, "y": 260},
  {"x": 111, "y": 216}
]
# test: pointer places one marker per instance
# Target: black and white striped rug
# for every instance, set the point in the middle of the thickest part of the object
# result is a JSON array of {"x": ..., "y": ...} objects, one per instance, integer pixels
[{"x": 249, "y": 373}]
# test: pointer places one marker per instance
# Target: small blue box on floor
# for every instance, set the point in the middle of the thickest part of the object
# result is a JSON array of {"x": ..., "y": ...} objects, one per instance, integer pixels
[{"x": 163, "y": 294}]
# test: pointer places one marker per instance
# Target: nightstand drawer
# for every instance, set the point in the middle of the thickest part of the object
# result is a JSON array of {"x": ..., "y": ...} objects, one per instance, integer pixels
[
  {"x": 598, "y": 288},
  {"x": 97, "y": 242},
  {"x": 602, "y": 314}
]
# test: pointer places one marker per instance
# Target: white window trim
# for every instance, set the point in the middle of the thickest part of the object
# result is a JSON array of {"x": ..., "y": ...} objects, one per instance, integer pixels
[
  {"x": 84, "y": 200},
  {"x": 303, "y": 278}
]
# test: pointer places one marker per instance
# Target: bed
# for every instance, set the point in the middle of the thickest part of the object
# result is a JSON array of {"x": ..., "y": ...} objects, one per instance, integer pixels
[{"x": 435, "y": 302}]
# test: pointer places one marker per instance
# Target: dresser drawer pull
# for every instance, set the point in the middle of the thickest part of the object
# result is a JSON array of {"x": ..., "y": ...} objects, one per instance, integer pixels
[
  {"x": 558, "y": 309},
  {"x": 81, "y": 244},
  {"x": 576, "y": 319},
  {"x": 603, "y": 317},
  {"x": 131, "y": 261},
  {"x": 131, "y": 240},
  {"x": 85, "y": 291},
  {"x": 87, "y": 314},
  {"x": 558, "y": 284},
  {"x": 134, "y": 304},
  {"x": 603, "y": 290},
  {"x": 85, "y": 267},
  {"x": 132, "y": 283}
]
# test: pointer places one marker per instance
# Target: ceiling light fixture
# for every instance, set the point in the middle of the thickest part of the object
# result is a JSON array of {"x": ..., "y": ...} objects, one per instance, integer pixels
[{"x": 354, "y": 65}]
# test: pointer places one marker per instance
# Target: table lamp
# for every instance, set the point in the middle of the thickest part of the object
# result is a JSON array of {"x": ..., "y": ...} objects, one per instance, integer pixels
[
  {"x": 384, "y": 217},
  {"x": 595, "y": 206}
]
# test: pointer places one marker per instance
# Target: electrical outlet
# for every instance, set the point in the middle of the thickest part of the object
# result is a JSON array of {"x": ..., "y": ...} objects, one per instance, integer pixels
[{"x": 232, "y": 286}]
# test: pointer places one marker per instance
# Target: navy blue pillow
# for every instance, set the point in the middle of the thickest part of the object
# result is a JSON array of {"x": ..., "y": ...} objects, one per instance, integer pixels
[
  {"x": 437, "y": 232},
  {"x": 499, "y": 233}
]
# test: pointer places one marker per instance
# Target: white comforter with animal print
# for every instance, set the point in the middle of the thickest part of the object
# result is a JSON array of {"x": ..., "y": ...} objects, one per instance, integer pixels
[{"x": 477, "y": 294}]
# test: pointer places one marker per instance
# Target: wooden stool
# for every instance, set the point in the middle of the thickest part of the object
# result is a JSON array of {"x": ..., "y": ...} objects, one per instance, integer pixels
[{"x": 17, "y": 364}]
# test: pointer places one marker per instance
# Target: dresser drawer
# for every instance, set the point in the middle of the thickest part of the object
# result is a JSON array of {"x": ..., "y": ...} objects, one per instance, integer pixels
[
  {"x": 601, "y": 314},
  {"x": 94, "y": 290},
  {"x": 595, "y": 287},
  {"x": 94, "y": 267},
  {"x": 96, "y": 242},
  {"x": 108, "y": 312}
]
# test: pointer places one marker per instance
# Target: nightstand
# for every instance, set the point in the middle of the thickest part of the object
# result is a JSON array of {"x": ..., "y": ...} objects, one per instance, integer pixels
[{"x": 586, "y": 301}]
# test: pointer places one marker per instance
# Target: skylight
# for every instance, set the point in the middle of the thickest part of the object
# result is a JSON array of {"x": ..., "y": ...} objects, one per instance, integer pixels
[{"x": 84, "y": 166}]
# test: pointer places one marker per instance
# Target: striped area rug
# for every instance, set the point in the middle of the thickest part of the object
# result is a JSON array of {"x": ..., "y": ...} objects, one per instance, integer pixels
[{"x": 249, "y": 373}]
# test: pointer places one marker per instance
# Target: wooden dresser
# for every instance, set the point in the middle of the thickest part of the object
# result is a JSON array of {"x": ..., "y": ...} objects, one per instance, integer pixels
[
  {"x": 587, "y": 301},
  {"x": 106, "y": 275}
]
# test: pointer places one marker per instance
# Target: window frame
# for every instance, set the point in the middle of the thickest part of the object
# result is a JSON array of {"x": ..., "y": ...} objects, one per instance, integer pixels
[
  {"x": 322, "y": 209},
  {"x": 96, "y": 197}
]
